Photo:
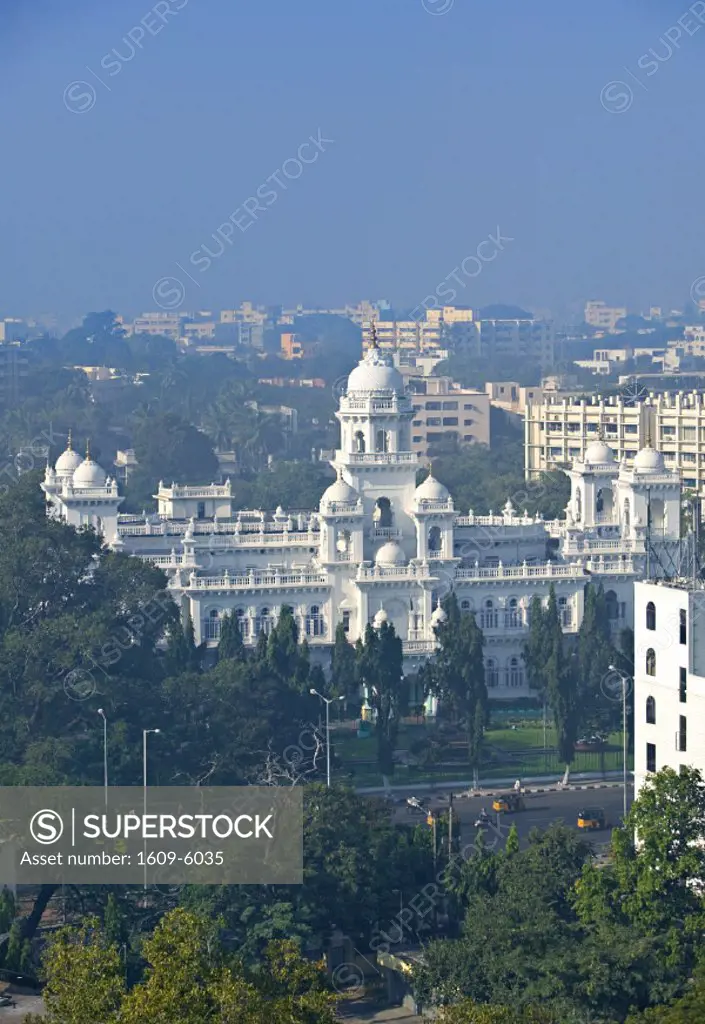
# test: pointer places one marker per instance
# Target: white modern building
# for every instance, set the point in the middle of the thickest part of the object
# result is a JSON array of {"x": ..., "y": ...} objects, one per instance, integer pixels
[
  {"x": 669, "y": 677},
  {"x": 380, "y": 547}
]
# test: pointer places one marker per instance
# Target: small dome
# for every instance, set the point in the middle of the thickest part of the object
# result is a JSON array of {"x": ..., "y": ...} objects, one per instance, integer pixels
[
  {"x": 431, "y": 489},
  {"x": 68, "y": 462},
  {"x": 375, "y": 373},
  {"x": 89, "y": 474},
  {"x": 438, "y": 617},
  {"x": 598, "y": 453},
  {"x": 380, "y": 618},
  {"x": 390, "y": 554},
  {"x": 649, "y": 461},
  {"x": 340, "y": 491}
]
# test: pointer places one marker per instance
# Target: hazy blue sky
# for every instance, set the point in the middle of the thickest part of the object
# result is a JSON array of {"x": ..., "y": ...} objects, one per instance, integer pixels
[{"x": 445, "y": 126}]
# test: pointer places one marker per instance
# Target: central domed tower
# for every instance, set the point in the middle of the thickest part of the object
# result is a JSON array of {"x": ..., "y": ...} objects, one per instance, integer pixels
[{"x": 375, "y": 456}]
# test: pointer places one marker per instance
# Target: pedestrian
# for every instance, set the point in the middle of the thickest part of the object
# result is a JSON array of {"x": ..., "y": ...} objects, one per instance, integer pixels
[{"x": 517, "y": 786}]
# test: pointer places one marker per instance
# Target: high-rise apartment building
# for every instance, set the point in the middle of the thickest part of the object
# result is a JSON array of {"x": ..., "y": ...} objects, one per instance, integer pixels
[{"x": 558, "y": 430}]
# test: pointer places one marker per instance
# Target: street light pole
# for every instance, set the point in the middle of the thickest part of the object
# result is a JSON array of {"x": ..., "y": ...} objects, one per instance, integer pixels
[
  {"x": 624, "y": 680},
  {"x": 105, "y": 754},
  {"x": 145, "y": 734},
  {"x": 327, "y": 701}
]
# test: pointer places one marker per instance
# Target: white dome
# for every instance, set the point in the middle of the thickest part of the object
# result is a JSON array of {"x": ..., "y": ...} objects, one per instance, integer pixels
[
  {"x": 431, "y": 489},
  {"x": 380, "y": 618},
  {"x": 390, "y": 554},
  {"x": 89, "y": 474},
  {"x": 340, "y": 491},
  {"x": 68, "y": 462},
  {"x": 649, "y": 461},
  {"x": 598, "y": 453},
  {"x": 438, "y": 617},
  {"x": 375, "y": 373}
]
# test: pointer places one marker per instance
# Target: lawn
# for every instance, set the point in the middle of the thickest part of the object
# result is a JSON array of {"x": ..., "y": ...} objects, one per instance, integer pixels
[{"x": 517, "y": 751}]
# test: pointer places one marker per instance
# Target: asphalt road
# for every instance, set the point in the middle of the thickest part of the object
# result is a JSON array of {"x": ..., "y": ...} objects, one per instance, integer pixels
[{"x": 541, "y": 810}]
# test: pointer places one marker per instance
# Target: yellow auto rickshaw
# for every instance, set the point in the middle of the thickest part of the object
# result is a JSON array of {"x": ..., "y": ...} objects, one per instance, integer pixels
[
  {"x": 509, "y": 804},
  {"x": 592, "y": 819}
]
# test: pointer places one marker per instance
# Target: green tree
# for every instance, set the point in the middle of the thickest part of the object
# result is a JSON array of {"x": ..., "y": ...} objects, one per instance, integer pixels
[
  {"x": 456, "y": 674},
  {"x": 342, "y": 667},
  {"x": 84, "y": 982},
  {"x": 230, "y": 645},
  {"x": 595, "y": 653},
  {"x": 512, "y": 845},
  {"x": 379, "y": 669}
]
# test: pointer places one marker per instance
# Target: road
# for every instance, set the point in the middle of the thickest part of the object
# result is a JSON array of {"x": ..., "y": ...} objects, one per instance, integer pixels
[{"x": 541, "y": 810}]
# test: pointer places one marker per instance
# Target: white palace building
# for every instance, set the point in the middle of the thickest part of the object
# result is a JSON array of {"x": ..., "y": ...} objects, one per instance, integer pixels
[{"x": 380, "y": 548}]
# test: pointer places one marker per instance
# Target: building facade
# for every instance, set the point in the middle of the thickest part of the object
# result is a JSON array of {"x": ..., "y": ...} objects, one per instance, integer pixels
[
  {"x": 381, "y": 547},
  {"x": 605, "y": 318},
  {"x": 559, "y": 429},
  {"x": 444, "y": 411},
  {"x": 669, "y": 677}
]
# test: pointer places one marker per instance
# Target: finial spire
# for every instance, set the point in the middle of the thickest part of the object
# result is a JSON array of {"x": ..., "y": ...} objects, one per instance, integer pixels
[
  {"x": 373, "y": 334},
  {"x": 69, "y": 443},
  {"x": 88, "y": 449}
]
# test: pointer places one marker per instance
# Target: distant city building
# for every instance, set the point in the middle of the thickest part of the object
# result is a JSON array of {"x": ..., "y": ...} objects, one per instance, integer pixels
[
  {"x": 511, "y": 396},
  {"x": 125, "y": 464},
  {"x": 558, "y": 430},
  {"x": 669, "y": 677},
  {"x": 443, "y": 411},
  {"x": 13, "y": 368},
  {"x": 293, "y": 382},
  {"x": 455, "y": 328},
  {"x": 167, "y": 324},
  {"x": 598, "y": 314}
]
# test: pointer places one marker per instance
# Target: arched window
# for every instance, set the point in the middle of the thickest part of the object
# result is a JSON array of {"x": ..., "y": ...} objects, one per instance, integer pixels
[
  {"x": 382, "y": 441},
  {"x": 650, "y": 711},
  {"x": 213, "y": 625},
  {"x": 515, "y": 673},
  {"x": 314, "y": 621},
  {"x": 382, "y": 515},
  {"x": 513, "y": 614},
  {"x": 491, "y": 673},
  {"x": 465, "y": 606},
  {"x": 612, "y": 605},
  {"x": 488, "y": 618},
  {"x": 651, "y": 662},
  {"x": 243, "y": 622},
  {"x": 565, "y": 612},
  {"x": 651, "y": 615},
  {"x": 434, "y": 539},
  {"x": 265, "y": 622},
  {"x": 359, "y": 440}
]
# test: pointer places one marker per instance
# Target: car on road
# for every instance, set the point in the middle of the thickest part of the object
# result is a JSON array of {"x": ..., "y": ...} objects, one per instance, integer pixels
[
  {"x": 592, "y": 819},
  {"x": 509, "y": 804}
]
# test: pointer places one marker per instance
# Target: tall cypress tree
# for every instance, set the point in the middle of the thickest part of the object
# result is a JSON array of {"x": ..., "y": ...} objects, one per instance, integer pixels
[
  {"x": 230, "y": 646},
  {"x": 380, "y": 669},
  {"x": 342, "y": 665},
  {"x": 595, "y": 653},
  {"x": 456, "y": 674},
  {"x": 561, "y": 682}
]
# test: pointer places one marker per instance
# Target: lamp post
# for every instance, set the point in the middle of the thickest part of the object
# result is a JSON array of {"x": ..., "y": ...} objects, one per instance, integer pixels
[
  {"x": 327, "y": 701},
  {"x": 624, "y": 680},
  {"x": 145, "y": 734},
  {"x": 105, "y": 754}
]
